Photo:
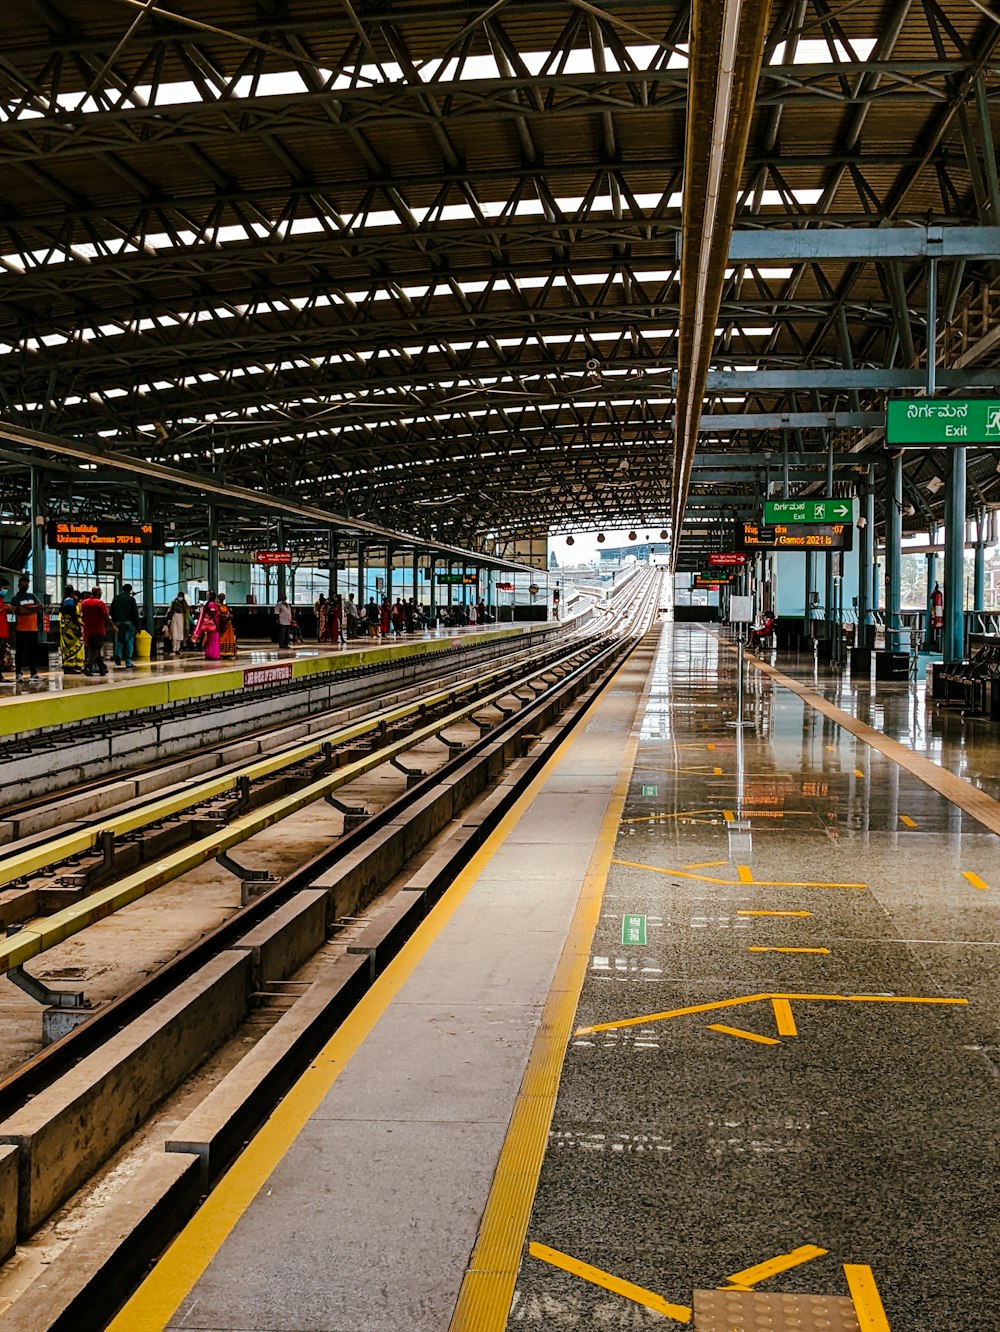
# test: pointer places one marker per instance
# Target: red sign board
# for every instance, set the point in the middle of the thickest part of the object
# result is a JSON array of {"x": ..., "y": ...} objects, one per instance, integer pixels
[
  {"x": 504, "y": 587},
  {"x": 727, "y": 560},
  {"x": 256, "y": 677},
  {"x": 274, "y": 557}
]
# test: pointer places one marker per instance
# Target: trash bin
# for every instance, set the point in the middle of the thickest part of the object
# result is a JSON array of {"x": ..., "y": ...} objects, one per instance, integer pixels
[{"x": 143, "y": 644}]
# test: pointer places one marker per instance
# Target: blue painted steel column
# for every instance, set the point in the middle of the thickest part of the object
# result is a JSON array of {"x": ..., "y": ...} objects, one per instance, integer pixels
[
  {"x": 39, "y": 583},
  {"x": 213, "y": 549},
  {"x": 893, "y": 549},
  {"x": 282, "y": 572},
  {"x": 931, "y": 580},
  {"x": 979, "y": 579},
  {"x": 148, "y": 588},
  {"x": 810, "y": 583},
  {"x": 866, "y": 561},
  {"x": 953, "y": 637}
]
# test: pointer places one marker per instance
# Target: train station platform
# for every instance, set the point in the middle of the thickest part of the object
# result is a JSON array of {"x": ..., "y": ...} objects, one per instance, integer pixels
[
  {"x": 704, "y": 1035},
  {"x": 58, "y": 699}
]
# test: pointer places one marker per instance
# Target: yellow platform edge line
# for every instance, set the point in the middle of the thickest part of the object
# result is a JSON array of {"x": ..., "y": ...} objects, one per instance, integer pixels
[
  {"x": 156, "y": 1301},
  {"x": 867, "y": 1301},
  {"x": 500, "y": 1246},
  {"x": 680, "y": 1313}
]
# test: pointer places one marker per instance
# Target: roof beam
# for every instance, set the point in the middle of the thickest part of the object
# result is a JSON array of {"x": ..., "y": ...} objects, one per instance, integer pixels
[{"x": 862, "y": 244}]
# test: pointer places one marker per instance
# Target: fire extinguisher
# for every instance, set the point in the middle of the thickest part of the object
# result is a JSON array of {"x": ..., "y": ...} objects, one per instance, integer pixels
[{"x": 937, "y": 607}]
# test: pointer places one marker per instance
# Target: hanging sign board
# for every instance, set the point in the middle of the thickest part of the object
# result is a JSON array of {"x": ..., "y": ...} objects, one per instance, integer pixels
[
  {"x": 715, "y": 576},
  {"x": 274, "y": 557},
  {"x": 727, "y": 560},
  {"x": 76, "y": 534},
  {"x": 942, "y": 421},
  {"x": 809, "y": 511},
  {"x": 796, "y": 536},
  {"x": 469, "y": 580}
]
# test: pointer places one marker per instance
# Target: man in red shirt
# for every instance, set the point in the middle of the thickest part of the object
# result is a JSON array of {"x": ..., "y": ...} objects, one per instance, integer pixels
[{"x": 96, "y": 623}]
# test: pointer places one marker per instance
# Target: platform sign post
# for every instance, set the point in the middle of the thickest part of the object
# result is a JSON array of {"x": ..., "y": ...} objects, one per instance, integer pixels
[
  {"x": 912, "y": 423},
  {"x": 740, "y": 612}
]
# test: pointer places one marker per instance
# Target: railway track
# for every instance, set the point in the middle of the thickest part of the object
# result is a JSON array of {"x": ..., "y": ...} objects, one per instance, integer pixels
[{"x": 350, "y": 908}]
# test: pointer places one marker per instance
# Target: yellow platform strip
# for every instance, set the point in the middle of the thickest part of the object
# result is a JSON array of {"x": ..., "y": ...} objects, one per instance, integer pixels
[
  {"x": 868, "y": 1307},
  {"x": 680, "y": 1313},
  {"x": 976, "y": 881},
  {"x": 784, "y": 1018},
  {"x": 55, "y": 929},
  {"x": 784, "y": 1262},
  {"x": 21, "y": 864},
  {"x": 488, "y": 1288},
  {"x": 742, "y": 1033},
  {"x": 175, "y": 1275}
]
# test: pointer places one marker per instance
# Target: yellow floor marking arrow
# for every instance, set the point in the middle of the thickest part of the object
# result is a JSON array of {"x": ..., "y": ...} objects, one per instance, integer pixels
[
  {"x": 784, "y": 1018},
  {"x": 784, "y": 1262},
  {"x": 742, "y": 1034},
  {"x": 798, "y": 914},
  {"x": 867, "y": 1301},
  {"x": 905, "y": 819},
  {"x": 858, "y": 772},
  {"x": 976, "y": 881},
  {"x": 680, "y": 1313},
  {"x": 745, "y": 877},
  {"x": 718, "y": 1004},
  {"x": 716, "y": 772},
  {"x": 769, "y": 948}
]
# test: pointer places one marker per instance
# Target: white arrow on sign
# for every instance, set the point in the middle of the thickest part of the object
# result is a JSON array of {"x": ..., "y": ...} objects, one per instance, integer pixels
[{"x": 842, "y": 511}]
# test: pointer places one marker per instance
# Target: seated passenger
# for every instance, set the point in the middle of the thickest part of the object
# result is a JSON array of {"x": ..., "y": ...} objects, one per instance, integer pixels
[{"x": 765, "y": 631}]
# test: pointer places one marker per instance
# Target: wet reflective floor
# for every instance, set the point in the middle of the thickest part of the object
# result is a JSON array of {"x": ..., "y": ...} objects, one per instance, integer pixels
[
  {"x": 783, "y": 1077},
  {"x": 966, "y": 745}
]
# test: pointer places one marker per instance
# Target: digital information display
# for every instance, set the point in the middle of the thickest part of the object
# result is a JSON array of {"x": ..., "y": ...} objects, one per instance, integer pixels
[
  {"x": 75, "y": 534},
  {"x": 796, "y": 536}
]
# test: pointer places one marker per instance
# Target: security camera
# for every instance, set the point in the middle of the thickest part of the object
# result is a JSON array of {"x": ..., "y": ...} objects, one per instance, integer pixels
[{"x": 862, "y": 522}]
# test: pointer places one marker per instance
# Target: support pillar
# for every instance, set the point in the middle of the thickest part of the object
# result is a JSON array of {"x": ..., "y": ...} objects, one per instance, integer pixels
[
  {"x": 416, "y": 571},
  {"x": 893, "y": 549},
  {"x": 829, "y": 590},
  {"x": 979, "y": 567},
  {"x": 931, "y": 580},
  {"x": 281, "y": 570},
  {"x": 432, "y": 603},
  {"x": 148, "y": 588},
  {"x": 809, "y": 585},
  {"x": 389, "y": 555},
  {"x": 362, "y": 599},
  {"x": 333, "y": 553},
  {"x": 213, "y": 549},
  {"x": 38, "y": 579},
  {"x": 953, "y": 634}
]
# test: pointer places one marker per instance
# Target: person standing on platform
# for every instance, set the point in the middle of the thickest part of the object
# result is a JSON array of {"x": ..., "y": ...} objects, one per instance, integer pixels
[
  {"x": 96, "y": 623},
  {"x": 397, "y": 618},
  {"x": 208, "y": 625},
  {"x": 28, "y": 617},
  {"x": 4, "y": 629},
  {"x": 385, "y": 617},
  {"x": 70, "y": 632},
  {"x": 177, "y": 622},
  {"x": 410, "y": 615},
  {"x": 227, "y": 631},
  {"x": 322, "y": 610},
  {"x": 374, "y": 618},
  {"x": 283, "y": 614},
  {"x": 481, "y": 611},
  {"x": 337, "y": 635},
  {"x": 125, "y": 614},
  {"x": 473, "y": 615},
  {"x": 351, "y": 615}
]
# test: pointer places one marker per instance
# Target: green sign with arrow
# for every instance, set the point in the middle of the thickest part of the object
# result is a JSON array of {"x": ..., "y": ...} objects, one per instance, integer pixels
[
  {"x": 808, "y": 511},
  {"x": 942, "y": 421}
]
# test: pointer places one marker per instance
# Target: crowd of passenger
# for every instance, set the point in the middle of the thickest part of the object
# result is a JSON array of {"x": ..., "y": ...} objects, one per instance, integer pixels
[{"x": 88, "y": 626}]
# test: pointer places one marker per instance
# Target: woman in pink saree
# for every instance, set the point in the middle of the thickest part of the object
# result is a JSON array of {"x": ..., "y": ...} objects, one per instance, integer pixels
[{"x": 208, "y": 625}]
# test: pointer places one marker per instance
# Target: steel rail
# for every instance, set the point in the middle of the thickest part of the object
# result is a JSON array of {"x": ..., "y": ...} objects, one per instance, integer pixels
[
  {"x": 39, "y": 1071},
  {"x": 47, "y": 932}
]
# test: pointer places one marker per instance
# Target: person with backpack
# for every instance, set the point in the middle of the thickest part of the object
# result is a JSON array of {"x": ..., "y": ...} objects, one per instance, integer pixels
[{"x": 124, "y": 611}]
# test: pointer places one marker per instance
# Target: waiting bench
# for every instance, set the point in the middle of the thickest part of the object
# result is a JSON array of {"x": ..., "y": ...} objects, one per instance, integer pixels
[{"x": 973, "y": 685}]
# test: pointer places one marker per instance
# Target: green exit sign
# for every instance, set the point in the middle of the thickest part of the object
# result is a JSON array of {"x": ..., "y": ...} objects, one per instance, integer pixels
[
  {"x": 808, "y": 511},
  {"x": 942, "y": 421}
]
